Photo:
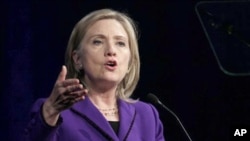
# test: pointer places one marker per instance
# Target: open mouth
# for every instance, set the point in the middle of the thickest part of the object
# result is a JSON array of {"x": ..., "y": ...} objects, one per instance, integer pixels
[{"x": 111, "y": 63}]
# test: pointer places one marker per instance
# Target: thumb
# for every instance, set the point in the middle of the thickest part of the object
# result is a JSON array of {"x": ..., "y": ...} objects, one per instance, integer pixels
[{"x": 62, "y": 74}]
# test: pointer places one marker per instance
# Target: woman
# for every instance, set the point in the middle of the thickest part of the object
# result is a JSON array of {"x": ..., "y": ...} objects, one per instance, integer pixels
[{"x": 90, "y": 99}]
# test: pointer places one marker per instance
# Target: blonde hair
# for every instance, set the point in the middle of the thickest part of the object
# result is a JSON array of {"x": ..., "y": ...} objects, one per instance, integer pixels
[{"x": 129, "y": 82}]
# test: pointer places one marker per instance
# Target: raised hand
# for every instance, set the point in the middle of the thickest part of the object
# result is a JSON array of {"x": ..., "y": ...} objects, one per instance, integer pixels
[{"x": 65, "y": 93}]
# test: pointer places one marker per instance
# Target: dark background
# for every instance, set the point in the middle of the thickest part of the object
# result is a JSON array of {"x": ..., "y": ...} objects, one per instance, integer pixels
[{"x": 178, "y": 64}]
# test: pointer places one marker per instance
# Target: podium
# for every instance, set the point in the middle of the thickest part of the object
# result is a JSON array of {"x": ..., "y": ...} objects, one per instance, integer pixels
[{"x": 227, "y": 27}]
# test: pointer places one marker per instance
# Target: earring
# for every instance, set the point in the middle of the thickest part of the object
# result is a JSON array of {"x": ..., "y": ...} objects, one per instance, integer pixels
[{"x": 80, "y": 67}]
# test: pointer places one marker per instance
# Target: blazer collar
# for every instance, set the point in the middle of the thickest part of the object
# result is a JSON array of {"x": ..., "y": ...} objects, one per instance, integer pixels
[{"x": 126, "y": 115}]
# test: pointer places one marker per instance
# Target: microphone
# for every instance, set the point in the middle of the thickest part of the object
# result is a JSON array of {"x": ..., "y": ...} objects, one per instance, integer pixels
[{"x": 156, "y": 101}]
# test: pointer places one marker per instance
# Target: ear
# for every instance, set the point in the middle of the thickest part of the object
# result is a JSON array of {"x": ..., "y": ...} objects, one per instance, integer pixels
[{"x": 76, "y": 58}]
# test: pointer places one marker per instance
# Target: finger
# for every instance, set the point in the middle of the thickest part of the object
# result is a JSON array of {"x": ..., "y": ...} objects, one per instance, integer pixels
[
  {"x": 79, "y": 93},
  {"x": 69, "y": 82},
  {"x": 73, "y": 88},
  {"x": 62, "y": 74},
  {"x": 69, "y": 92},
  {"x": 66, "y": 101},
  {"x": 79, "y": 97}
]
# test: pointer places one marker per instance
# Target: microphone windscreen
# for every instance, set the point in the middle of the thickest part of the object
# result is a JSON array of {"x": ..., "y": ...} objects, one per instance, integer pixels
[{"x": 152, "y": 98}]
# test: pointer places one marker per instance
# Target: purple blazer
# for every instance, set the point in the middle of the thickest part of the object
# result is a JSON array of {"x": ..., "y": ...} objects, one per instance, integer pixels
[{"x": 139, "y": 121}]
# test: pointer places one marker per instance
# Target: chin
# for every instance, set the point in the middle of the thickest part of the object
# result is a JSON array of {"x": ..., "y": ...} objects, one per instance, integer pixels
[{"x": 112, "y": 80}]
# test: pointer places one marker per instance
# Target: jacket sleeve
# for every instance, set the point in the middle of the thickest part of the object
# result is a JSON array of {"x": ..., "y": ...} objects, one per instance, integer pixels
[
  {"x": 37, "y": 129},
  {"x": 159, "y": 136}
]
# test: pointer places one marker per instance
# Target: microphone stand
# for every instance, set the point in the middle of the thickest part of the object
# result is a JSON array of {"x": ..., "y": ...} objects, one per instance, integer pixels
[
  {"x": 155, "y": 100},
  {"x": 170, "y": 111}
]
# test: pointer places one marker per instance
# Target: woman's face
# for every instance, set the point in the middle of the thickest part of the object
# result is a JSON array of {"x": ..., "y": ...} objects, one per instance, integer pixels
[{"x": 105, "y": 53}]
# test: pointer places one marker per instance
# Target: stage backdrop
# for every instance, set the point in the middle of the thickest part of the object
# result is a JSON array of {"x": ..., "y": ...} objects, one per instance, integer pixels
[{"x": 177, "y": 64}]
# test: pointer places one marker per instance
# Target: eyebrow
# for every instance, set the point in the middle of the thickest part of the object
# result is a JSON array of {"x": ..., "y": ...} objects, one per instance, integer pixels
[{"x": 103, "y": 36}]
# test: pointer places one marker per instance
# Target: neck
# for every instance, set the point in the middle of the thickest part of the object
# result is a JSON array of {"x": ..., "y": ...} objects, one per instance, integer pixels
[
  {"x": 103, "y": 100},
  {"x": 106, "y": 103},
  {"x": 103, "y": 95}
]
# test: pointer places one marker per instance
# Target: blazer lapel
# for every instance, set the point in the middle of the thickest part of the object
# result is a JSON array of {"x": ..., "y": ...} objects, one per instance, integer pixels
[
  {"x": 90, "y": 113},
  {"x": 127, "y": 117}
]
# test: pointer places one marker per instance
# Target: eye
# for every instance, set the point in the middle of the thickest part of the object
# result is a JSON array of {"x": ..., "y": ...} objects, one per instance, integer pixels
[
  {"x": 97, "y": 42},
  {"x": 121, "y": 44}
]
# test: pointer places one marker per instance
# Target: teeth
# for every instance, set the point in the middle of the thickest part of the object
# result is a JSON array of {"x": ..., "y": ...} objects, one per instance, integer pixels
[{"x": 111, "y": 63}]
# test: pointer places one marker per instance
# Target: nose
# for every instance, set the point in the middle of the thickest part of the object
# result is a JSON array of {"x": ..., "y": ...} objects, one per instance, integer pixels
[
  {"x": 110, "y": 54},
  {"x": 110, "y": 51}
]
